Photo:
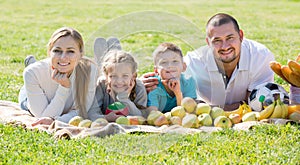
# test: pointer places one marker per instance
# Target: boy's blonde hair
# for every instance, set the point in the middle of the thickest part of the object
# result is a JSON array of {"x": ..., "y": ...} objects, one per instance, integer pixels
[{"x": 162, "y": 48}]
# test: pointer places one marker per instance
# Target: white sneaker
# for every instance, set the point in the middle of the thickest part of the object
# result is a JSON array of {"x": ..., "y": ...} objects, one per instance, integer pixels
[
  {"x": 114, "y": 44},
  {"x": 29, "y": 60}
]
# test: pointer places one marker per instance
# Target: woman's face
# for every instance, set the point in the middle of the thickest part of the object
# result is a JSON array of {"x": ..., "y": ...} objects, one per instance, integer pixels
[
  {"x": 119, "y": 77},
  {"x": 65, "y": 54}
]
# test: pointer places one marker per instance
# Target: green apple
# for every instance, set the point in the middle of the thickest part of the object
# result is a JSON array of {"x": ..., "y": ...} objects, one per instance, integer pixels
[
  {"x": 190, "y": 121},
  {"x": 75, "y": 120},
  {"x": 175, "y": 120},
  {"x": 161, "y": 120},
  {"x": 85, "y": 123},
  {"x": 235, "y": 118},
  {"x": 188, "y": 104},
  {"x": 216, "y": 111},
  {"x": 295, "y": 116},
  {"x": 178, "y": 111},
  {"x": 202, "y": 108},
  {"x": 99, "y": 122},
  {"x": 123, "y": 120},
  {"x": 205, "y": 119},
  {"x": 168, "y": 115},
  {"x": 153, "y": 115},
  {"x": 223, "y": 122},
  {"x": 250, "y": 116}
]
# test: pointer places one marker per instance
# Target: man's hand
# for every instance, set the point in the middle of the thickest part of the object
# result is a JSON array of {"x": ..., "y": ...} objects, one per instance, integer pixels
[
  {"x": 61, "y": 78},
  {"x": 149, "y": 81}
]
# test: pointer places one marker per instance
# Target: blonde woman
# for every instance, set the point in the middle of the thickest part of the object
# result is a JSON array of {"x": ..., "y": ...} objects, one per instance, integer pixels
[{"x": 62, "y": 85}]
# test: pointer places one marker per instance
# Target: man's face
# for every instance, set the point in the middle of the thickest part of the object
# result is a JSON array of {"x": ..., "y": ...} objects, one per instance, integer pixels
[{"x": 225, "y": 42}]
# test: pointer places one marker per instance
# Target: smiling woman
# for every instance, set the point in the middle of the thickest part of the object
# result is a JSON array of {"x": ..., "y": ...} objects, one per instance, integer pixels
[{"x": 62, "y": 85}]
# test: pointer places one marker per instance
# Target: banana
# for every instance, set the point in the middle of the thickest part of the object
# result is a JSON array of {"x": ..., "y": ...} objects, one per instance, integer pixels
[
  {"x": 239, "y": 111},
  {"x": 267, "y": 112},
  {"x": 285, "y": 110},
  {"x": 277, "y": 113},
  {"x": 276, "y": 67},
  {"x": 294, "y": 66}
]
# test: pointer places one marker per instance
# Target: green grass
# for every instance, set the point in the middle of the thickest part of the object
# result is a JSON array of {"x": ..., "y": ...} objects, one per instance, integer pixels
[{"x": 27, "y": 25}]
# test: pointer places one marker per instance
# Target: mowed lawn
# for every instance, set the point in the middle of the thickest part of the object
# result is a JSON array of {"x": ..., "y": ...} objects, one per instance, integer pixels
[{"x": 26, "y": 26}]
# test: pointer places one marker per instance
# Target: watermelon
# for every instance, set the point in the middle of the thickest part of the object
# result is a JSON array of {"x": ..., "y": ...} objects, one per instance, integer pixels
[{"x": 118, "y": 108}]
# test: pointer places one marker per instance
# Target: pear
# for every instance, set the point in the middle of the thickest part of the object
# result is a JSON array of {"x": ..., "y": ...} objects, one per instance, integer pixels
[
  {"x": 190, "y": 121},
  {"x": 123, "y": 120},
  {"x": 202, "y": 108},
  {"x": 250, "y": 116},
  {"x": 153, "y": 115},
  {"x": 86, "y": 123},
  {"x": 178, "y": 111},
  {"x": 188, "y": 104},
  {"x": 75, "y": 120}
]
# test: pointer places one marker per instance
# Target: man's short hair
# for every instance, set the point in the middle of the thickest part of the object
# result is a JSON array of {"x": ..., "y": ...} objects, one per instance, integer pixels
[{"x": 221, "y": 19}]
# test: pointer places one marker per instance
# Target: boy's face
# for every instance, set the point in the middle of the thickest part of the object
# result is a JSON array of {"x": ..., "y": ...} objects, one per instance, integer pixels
[
  {"x": 169, "y": 65},
  {"x": 119, "y": 77}
]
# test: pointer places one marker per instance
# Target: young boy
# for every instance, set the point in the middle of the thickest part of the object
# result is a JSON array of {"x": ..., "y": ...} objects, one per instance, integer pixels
[{"x": 173, "y": 85}]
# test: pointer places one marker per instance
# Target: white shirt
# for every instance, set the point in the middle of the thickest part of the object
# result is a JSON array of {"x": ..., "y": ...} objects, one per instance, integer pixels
[
  {"x": 47, "y": 98},
  {"x": 253, "y": 69}
]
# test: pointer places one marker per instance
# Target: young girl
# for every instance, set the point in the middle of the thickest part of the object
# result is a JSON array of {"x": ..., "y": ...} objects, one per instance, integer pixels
[
  {"x": 62, "y": 85},
  {"x": 119, "y": 83}
]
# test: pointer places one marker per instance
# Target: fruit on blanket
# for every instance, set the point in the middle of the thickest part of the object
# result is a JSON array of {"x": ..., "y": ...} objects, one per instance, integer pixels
[
  {"x": 216, "y": 111},
  {"x": 223, "y": 122},
  {"x": 267, "y": 112},
  {"x": 202, "y": 108},
  {"x": 293, "y": 108},
  {"x": 250, "y": 116},
  {"x": 153, "y": 115},
  {"x": 190, "y": 121},
  {"x": 188, "y": 104},
  {"x": 295, "y": 116},
  {"x": 178, "y": 111},
  {"x": 168, "y": 115},
  {"x": 136, "y": 120},
  {"x": 123, "y": 120},
  {"x": 99, "y": 123},
  {"x": 75, "y": 120},
  {"x": 161, "y": 120},
  {"x": 205, "y": 119},
  {"x": 175, "y": 120},
  {"x": 235, "y": 118},
  {"x": 280, "y": 110},
  {"x": 86, "y": 123},
  {"x": 117, "y": 108}
]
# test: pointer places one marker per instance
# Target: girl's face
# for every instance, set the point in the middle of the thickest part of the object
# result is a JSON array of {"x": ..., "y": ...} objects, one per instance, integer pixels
[
  {"x": 65, "y": 54},
  {"x": 119, "y": 77},
  {"x": 169, "y": 65}
]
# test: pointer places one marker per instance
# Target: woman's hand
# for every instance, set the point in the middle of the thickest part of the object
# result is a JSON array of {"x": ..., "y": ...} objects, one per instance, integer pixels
[
  {"x": 43, "y": 121},
  {"x": 61, "y": 78},
  {"x": 149, "y": 81}
]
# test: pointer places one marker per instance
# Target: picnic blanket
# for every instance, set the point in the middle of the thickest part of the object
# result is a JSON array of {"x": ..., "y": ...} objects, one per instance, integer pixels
[{"x": 10, "y": 113}]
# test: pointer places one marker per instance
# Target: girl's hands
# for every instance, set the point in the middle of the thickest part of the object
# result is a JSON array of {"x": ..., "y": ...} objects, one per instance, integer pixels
[
  {"x": 61, "y": 78},
  {"x": 111, "y": 117},
  {"x": 43, "y": 121}
]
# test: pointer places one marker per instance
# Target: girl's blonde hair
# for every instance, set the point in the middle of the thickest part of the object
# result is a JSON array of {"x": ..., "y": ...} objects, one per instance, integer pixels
[
  {"x": 118, "y": 56},
  {"x": 82, "y": 69}
]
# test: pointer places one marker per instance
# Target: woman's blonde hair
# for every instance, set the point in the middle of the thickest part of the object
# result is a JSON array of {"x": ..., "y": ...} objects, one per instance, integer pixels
[{"x": 82, "y": 69}]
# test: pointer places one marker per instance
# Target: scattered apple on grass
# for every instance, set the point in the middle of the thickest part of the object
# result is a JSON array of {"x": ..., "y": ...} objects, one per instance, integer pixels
[
  {"x": 235, "y": 118},
  {"x": 190, "y": 121},
  {"x": 86, "y": 123},
  {"x": 75, "y": 120},
  {"x": 216, "y": 111},
  {"x": 223, "y": 122},
  {"x": 205, "y": 119},
  {"x": 123, "y": 120},
  {"x": 178, "y": 111},
  {"x": 188, "y": 104}
]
